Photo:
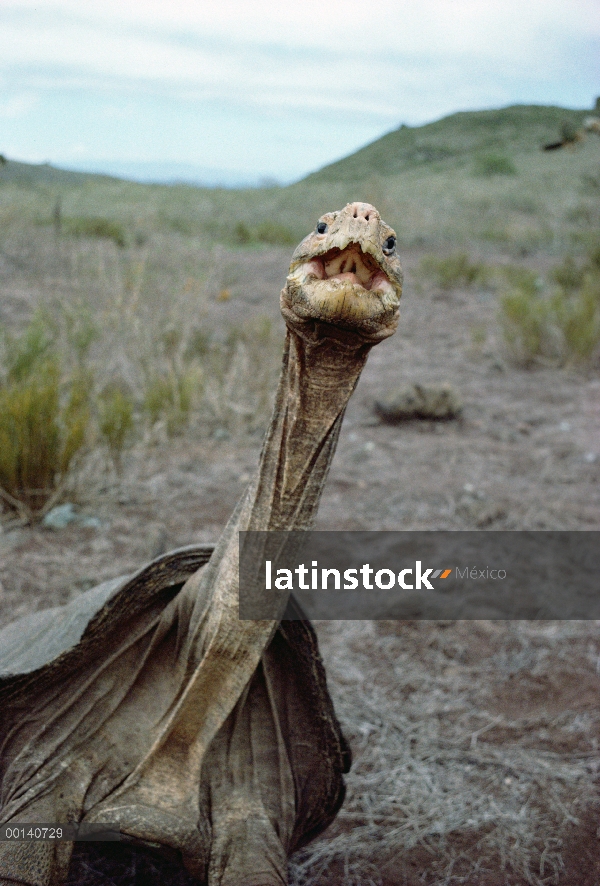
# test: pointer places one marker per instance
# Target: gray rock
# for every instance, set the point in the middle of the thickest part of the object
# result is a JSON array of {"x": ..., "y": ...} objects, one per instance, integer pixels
[
  {"x": 64, "y": 515},
  {"x": 60, "y": 517}
]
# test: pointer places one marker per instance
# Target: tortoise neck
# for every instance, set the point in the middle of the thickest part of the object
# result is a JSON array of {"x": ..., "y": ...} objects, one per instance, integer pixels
[{"x": 317, "y": 380}]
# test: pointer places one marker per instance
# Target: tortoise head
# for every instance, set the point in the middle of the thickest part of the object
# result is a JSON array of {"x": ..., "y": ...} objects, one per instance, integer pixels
[{"x": 346, "y": 275}]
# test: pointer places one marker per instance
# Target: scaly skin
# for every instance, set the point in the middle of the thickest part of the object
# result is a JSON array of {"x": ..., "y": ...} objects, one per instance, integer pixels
[{"x": 165, "y": 760}]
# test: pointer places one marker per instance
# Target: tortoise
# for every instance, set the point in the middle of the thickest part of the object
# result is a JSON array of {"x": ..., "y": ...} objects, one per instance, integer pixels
[{"x": 147, "y": 701}]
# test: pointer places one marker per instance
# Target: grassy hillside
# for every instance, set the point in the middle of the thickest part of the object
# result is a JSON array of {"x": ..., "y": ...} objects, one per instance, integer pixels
[
  {"x": 473, "y": 180},
  {"x": 32, "y": 174},
  {"x": 454, "y": 142}
]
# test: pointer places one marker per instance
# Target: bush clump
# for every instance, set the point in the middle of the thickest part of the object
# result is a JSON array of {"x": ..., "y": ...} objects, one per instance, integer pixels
[
  {"x": 559, "y": 326},
  {"x": 44, "y": 419},
  {"x": 488, "y": 165},
  {"x": 454, "y": 270},
  {"x": 266, "y": 232},
  {"x": 169, "y": 397},
  {"x": 116, "y": 420},
  {"x": 104, "y": 228},
  {"x": 275, "y": 234}
]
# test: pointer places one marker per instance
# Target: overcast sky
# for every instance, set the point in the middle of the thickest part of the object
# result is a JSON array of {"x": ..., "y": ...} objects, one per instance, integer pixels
[{"x": 244, "y": 89}]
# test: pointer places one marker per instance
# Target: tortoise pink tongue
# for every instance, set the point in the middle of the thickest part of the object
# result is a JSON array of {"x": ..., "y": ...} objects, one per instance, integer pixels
[
  {"x": 380, "y": 281},
  {"x": 352, "y": 278}
]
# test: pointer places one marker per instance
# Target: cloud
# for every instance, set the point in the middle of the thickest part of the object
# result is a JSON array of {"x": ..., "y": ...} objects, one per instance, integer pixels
[
  {"x": 17, "y": 105},
  {"x": 334, "y": 72}
]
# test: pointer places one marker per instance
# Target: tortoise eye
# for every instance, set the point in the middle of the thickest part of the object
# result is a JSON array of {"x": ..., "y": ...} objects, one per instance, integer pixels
[
  {"x": 321, "y": 228},
  {"x": 389, "y": 245}
]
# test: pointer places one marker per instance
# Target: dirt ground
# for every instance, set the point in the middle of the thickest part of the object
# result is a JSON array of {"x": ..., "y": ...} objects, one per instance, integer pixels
[{"x": 475, "y": 743}]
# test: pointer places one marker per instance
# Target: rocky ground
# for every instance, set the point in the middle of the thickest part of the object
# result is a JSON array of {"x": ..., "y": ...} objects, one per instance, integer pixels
[{"x": 475, "y": 743}]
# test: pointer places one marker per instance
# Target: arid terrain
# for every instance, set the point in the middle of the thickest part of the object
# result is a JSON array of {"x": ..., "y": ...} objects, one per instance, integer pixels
[{"x": 475, "y": 744}]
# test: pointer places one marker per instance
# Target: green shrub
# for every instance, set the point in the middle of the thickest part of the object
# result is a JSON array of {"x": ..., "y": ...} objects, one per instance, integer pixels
[
  {"x": 41, "y": 431},
  {"x": 169, "y": 397},
  {"x": 198, "y": 344},
  {"x": 115, "y": 420},
  {"x": 266, "y": 232},
  {"x": 25, "y": 352},
  {"x": 488, "y": 165},
  {"x": 568, "y": 274},
  {"x": 593, "y": 262},
  {"x": 454, "y": 270},
  {"x": 562, "y": 327},
  {"x": 241, "y": 234},
  {"x": 524, "y": 319},
  {"x": 522, "y": 279},
  {"x": 577, "y": 316},
  {"x": 276, "y": 234},
  {"x": 81, "y": 226}
]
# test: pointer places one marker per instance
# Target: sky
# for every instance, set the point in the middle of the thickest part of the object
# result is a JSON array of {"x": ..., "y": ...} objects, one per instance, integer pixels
[{"x": 239, "y": 91}]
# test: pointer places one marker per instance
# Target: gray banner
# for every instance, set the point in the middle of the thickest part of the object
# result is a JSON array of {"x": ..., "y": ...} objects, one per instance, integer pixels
[{"x": 420, "y": 575}]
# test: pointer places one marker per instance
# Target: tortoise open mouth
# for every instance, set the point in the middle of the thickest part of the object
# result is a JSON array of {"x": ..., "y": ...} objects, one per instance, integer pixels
[
  {"x": 350, "y": 265},
  {"x": 346, "y": 288}
]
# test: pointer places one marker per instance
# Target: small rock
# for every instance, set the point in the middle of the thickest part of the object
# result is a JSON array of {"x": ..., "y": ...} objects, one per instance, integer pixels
[
  {"x": 63, "y": 515},
  {"x": 60, "y": 517},
  {"x": 438, "y": 402}
]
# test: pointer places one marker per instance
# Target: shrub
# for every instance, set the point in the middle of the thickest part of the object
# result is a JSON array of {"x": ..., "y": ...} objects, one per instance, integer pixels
[
  {"x": 266, "y": 232},
  {"x": 169, "y": 397},
  {"x": 488, "y": 165},
  {"x": 103, "y": 228},
  {"x": 40, "y": 434},
  {"x": 241, "y": 234},
  {"x": 568, "y": 275},
  {"x": 593, "y": 262},
  {"x": 115, "y": 420},
  {"x": 276, "y": 234},
  {"x": 578, "y": 318},
  {"x": 524, "y": 318},
  {"x": 522, "y": 279},
  {"x": 454, "y": 270},
  {"x": 24, "y": 353},
  {"x": 561, "y": 327}
]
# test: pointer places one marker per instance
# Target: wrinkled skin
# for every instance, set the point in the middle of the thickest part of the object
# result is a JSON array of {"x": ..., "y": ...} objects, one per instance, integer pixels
[{"x": 211, "y": 737}]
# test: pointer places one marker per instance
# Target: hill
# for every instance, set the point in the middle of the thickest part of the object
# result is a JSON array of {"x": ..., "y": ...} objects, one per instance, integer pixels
[
  {"x": 454, "y": 140},
  {"x": 473, "y": 180},
  {"x": 44, "y": 173}
]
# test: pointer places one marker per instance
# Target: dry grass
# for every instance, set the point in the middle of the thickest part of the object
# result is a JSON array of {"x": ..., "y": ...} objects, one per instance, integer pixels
[
  {"x": 141, "y": 331},
  {"x": 457, "y": 776},
  {"x": 557, "y": 324}
]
